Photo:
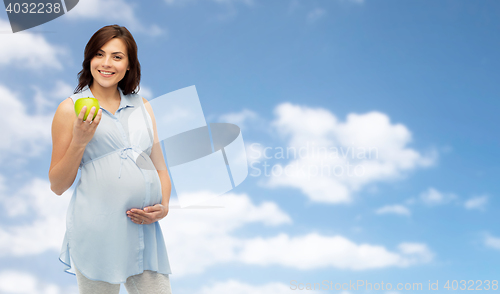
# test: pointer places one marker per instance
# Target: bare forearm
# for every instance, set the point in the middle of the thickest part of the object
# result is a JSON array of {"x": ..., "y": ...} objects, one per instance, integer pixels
[
  {"x": 63, "y": 174},
  {"x": 166, "y": 187}
]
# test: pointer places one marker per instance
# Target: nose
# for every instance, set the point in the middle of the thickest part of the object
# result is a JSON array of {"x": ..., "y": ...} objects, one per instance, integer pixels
[{"x": 106, "y": 61}]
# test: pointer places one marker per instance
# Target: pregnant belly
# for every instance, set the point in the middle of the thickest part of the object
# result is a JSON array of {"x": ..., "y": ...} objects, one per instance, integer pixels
[{"x": 105, "y": 189}]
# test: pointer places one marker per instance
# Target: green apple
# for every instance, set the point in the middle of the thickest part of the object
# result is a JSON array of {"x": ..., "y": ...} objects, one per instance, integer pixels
[{"x": 89, "y": 102}]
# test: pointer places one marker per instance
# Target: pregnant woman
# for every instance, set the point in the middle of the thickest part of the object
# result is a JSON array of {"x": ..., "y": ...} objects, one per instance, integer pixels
[{"x": 112, "y": 230}]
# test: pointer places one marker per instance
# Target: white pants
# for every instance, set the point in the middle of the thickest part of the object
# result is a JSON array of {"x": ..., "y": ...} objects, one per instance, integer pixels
[{"x": 148, "y": 282}]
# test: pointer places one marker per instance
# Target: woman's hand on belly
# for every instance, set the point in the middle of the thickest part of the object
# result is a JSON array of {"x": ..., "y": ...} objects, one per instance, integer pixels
[{"x": 148, "y": 215}]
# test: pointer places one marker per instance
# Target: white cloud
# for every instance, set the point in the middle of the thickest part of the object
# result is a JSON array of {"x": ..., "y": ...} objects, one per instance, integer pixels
[
  {"x": 254, "y": 150},
  {"x": 15, "y": 282},
  {"x": 46, "y": 231},
  {"x": 3, "y": 186},
  {"x": 119, "y": 11},
  {"x": 233, "y": 286},
  {"x": 199, "y": 238},
  {"x": 415, "y": 253},
  {"x": 61, "y": 91},
  {"x": 146, "y": 92},
  {"x": 315, "y": 14},
  {"x": 394, "y": 209},
  {"x": 22, "y": 134},
  {"x": 47, "y": 101},
  {"x": 492, "y": 242},
  {"x": 333, "y": 159},
  {"x": 478, "y": 202},
  {"x": 239, "y": 118},
  {"x": 435, "y": 197},
  {"x": 315, "y": 251},
  {"x": 28, "y": 51}
]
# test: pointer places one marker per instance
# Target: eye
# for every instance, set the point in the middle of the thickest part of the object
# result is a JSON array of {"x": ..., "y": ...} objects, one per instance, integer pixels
[
  {"x": 98, "y": 54},
  {"x": 118, "y": 57}
]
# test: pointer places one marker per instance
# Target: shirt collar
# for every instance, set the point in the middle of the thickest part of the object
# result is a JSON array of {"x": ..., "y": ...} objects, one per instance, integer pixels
[{"x": 125, "y": 100}]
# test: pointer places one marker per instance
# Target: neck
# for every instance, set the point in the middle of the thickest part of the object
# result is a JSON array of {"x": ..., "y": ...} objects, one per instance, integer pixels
[{"x": 104, "y": 94}]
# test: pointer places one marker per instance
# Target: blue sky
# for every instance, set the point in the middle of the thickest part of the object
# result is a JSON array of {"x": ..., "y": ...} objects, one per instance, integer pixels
[{"x": 413, "y": 79}]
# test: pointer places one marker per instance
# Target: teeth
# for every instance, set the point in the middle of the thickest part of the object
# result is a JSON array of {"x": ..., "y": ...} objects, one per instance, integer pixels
[{"x": 106, "y": 73}]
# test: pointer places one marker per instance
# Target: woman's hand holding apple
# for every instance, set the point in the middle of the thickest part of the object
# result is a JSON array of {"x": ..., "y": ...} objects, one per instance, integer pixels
[{"x": 83, "y": 130}]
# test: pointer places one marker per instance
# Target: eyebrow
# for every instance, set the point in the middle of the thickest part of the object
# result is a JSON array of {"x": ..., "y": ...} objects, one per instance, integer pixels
[{"x": 119, "y": 52}]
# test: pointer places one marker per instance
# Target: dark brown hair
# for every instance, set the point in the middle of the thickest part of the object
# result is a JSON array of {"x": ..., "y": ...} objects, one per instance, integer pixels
[{"x": 132, "y": 78}]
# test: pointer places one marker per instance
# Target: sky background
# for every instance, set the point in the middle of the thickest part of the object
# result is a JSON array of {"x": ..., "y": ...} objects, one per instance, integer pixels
[{"x": 415, "y": 80}]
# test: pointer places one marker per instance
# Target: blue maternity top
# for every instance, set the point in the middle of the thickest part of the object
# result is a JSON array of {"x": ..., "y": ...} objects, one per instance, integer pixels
[{"x": 116, "y": 175}]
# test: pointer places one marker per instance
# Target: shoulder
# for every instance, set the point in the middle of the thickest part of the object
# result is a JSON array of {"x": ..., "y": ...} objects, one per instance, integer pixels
[
  {"x": 64, "y": 115},
  {"x": 66, "y": 107},
  {"x": 148, "y": 107}
]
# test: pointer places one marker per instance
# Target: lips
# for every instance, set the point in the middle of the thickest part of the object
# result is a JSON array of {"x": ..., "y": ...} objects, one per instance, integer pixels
[{"x": 106, "y": 73}]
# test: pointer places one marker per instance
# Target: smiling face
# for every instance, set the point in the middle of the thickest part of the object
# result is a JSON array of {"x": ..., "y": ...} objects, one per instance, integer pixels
[{"x": 110, "y": 64}]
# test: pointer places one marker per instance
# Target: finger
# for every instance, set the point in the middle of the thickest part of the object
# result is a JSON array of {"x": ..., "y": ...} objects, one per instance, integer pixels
[
  {"x": 132, "y": 215},
  {"x": 152, "y": 208},
  {"x": 136, "y": 219},
  {"x": 141, "y": 221},
  {"x": 82, "y": 113},
  {"x": 139, "y": 212},
  {"x": 91, "y": 114},
  {"x": 148, "y": 217},
  {"x": 98, "y": 117}
]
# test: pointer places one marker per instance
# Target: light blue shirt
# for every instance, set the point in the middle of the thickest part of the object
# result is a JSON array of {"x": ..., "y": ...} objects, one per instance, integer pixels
[{"x": 100, "y": 240}]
